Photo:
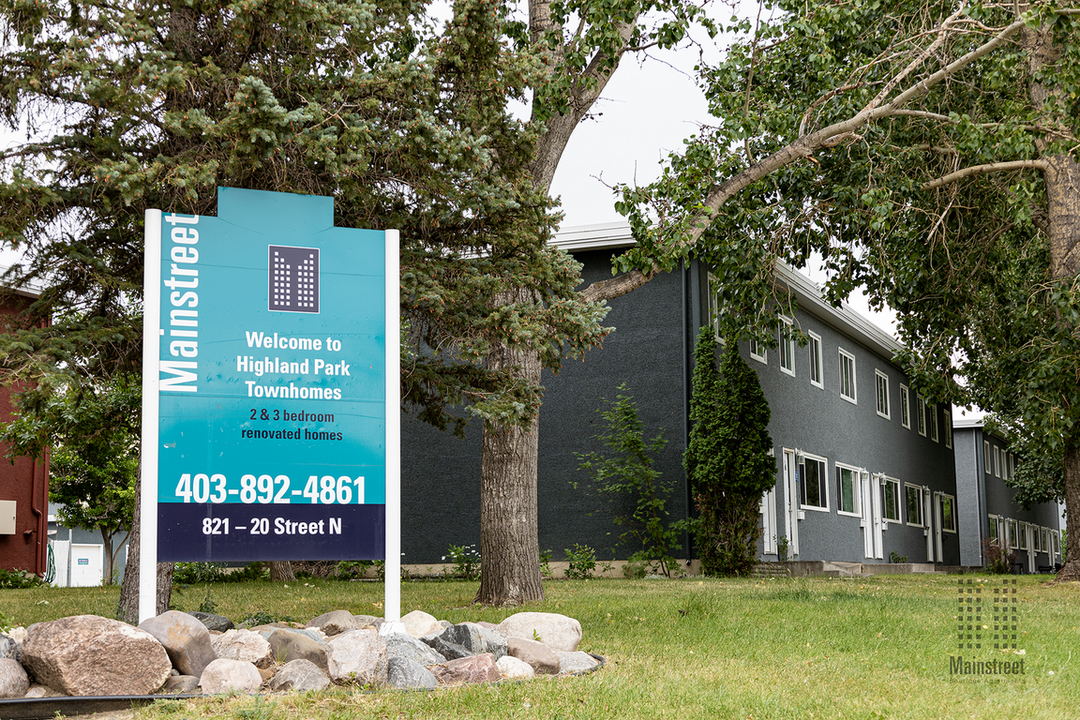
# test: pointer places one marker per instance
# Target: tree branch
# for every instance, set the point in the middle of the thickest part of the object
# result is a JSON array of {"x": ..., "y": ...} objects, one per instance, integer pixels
[
  {"x": 616, "y": 287},
  {"x": 984, "y": 169}
]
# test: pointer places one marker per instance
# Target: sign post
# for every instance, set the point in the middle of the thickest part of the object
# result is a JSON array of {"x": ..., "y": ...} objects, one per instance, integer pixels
[{"x": 270, "y": 388}]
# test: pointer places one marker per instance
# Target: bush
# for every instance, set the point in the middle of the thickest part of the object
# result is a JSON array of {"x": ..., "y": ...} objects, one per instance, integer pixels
[
  {"x": 465, "y": 560},
  {"x": 19, "y": 579},
  {"x": 194, "y": 573},
  {"x": 582, "y": 562},
  {"x": 999, "y": 560}
]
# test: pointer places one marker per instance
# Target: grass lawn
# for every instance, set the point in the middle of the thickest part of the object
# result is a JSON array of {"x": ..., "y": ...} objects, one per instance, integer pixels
[{"x": 778, "y": 648}]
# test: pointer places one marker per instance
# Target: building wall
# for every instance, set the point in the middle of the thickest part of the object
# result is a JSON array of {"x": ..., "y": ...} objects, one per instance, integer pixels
[
  {"x": 24, "y": 482},
  {"x": 818, "y": 421}
]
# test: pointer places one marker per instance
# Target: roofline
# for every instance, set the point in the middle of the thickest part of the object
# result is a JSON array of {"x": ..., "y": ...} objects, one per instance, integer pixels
[
  {"x": 609, "y": 236},
  {"x": 30, "y": 290}
]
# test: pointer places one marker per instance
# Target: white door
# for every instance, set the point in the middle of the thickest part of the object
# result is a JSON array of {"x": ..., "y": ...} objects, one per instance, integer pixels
[
  {"x": 928, "y": 523},
  {"x": 61, "y": 549},
  {"x": 768, "y": 521},
  {"x": 791, "y": 498},
  {"x": 87, "y": 565},
  {"x": 873, "y": 541},
  {"x": 937, "y": 527}
]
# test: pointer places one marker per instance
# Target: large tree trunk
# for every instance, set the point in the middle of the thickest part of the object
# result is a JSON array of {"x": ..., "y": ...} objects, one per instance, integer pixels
[
  {"x": 509, "y": 543},
  {"x": 281, "y": 571},
  {"x": 128, "y": 609},
  {"x": 1071, "y": 569}
]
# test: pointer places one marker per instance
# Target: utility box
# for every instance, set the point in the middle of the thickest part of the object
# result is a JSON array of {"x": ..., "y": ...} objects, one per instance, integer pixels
[{"x": 7, "y": 517}]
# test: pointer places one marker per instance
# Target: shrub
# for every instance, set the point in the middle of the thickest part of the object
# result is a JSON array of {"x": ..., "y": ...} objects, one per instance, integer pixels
[
  {"x": 999, "y": 560},
  {"x": 581, "y": 562},
  {"x": 465, "y": 560},
  {"x": 19, "y": 579}
]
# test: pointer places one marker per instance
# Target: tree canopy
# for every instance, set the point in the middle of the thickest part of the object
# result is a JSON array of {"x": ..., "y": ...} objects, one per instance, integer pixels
[{"x": 925, "y": 151}]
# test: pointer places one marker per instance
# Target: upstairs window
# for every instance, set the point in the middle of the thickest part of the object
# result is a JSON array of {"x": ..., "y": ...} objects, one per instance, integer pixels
[
  {"x": 847, "y": 376},
  {"x": 881, "y": 381},
  {"x": 905, "y": 409},
  {"x": 787, "y": 347},
  {"x": 920, "y": 414},
  {"x": 815, "y": 361}
]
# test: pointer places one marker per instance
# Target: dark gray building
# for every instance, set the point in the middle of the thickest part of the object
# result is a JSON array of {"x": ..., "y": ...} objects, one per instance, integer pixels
[
  {"x": 865, "y": 469},
  {"x": 990, "y": 513}
]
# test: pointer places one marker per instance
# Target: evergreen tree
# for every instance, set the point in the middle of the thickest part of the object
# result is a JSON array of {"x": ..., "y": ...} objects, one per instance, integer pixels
[
  {"x": 132, "y": 106},
  {"x": 729, "y": 459}
]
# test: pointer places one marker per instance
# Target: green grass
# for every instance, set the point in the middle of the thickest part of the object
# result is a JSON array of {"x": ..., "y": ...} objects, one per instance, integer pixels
[{"x": 778, "y": 648}]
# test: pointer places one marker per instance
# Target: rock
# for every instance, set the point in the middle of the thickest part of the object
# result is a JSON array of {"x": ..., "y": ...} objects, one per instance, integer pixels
[
  {"x": 91, "y": 655},
  {"x": 289, "y": 645},
  {"x": 42, "y": 691},
  {"x": 418, "y": 624},
  {"x": 339, "y": 621},
  {"x": 9, "y": 648},
  {"x": 213, "y": 623},
  {"x": 406, "y": 674},
  {"x": 449, "y": 650},
  {"x": 408, "y": 647},
  {"x": 357, "y": 656},
  {"x": 538, "y": 656},
  {"x": 513, "y": 669},
  {"x": 477, "y": 639},
  {"x": 299, "y": 675},
  {"x": 244, "y": 645},
  {"x": 556, "y": 631},
  {"x": 185, "y": 639},
  {"x": 225, "y": 675},
  {"x": 472, "y": 669},
  {"x": 575, "y": 662},
  {"x": 13, "y": 680},
  {"x": 181, "y": 685}
]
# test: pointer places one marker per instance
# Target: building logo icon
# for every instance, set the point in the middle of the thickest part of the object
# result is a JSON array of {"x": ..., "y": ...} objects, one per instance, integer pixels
[{"x": 293, "y": 279}]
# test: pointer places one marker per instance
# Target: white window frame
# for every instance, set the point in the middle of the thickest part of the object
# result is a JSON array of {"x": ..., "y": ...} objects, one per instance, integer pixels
[
  {"x": 714, "y": 309},
  {"x": 905, "y": 407},
  {"x": 988, "y": 462},
  {"x": 786, "y": 349},
  {"x": 997, "y": 461},
  {"x": 1022, "y": 527},
  {"x": 892, "y": 485},
  {"x": 908, "y": 488},
  {"x": 763, "y": 358},
  {"x": 854, "y": 396},
  {"x": 933, "y": 422},
  {"x": 920, "y": 414},
  {"x": 823, "y": 481},
  {"x": 817, "y": 362},
  {"x": 1055, "y": 539},
  {"x": 881, "y": 388},
  {"x": 948, "y": 429},
  {"x": 1012, "y": 530},
  {"x": 993, "y": 532},
  {"x": 855, "y": 475},
  {"x": 950, "y": 517}
]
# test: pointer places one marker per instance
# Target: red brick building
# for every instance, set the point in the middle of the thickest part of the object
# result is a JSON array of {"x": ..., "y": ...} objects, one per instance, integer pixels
[{"x": 24, "y": 485}]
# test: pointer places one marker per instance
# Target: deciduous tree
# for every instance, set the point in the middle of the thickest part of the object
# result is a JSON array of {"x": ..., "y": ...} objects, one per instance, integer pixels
[{"x": 927, "y": 151}]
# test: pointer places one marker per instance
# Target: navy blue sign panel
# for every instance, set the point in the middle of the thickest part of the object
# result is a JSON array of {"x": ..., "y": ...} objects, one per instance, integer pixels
[{"x": 272, "y": 383}]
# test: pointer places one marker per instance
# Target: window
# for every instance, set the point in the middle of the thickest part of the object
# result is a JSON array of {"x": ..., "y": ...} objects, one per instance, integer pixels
[
  {"x": 948, "y": 513},
  {"x": 815, "y": 361},
  {"x": 1010, "y": 528},
  {"x": 992, "y": 526},
  {"x": 787, "y": 347},
  {"x": 847, "y": 490},
  {"x": 988, "y": 467},
  {"x": 914, "y": 505},
  {"x": 759, "y": 353},
  {"x": 1038, "y": 533},
  {"x": 714, "y": 308},
  {"x": 948, "y": 429},
  {"x": 932, "y": 412},
  {"x": 920, "y": 414},
  {"x": 847, "y": 376},
  {"x": 905, "y": 411},
  {"x": 890, "y": 499},
  {"x": 1023, "y": 536},
  {"x": 882, "y": 381},
  {"x": 1012, "y": 465},
  {"x": 813, "y": 485},
  {"x": 1046, "y": 546},
  {"x": 997, "y": 461},
  {"x": 1055, "y": 538}
]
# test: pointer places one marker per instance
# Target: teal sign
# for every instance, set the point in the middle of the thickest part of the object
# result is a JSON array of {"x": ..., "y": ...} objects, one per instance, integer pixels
[{"x": 272, "y": 384}]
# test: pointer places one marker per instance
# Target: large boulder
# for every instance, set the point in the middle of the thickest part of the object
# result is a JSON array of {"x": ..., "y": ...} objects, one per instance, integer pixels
[
  {"x": 9, "y": 648},
  {"x": 340, "y": 621},
  {"x": 406, "y": 674},
  {"x": 288, "y": 645},
  {"x": 13, "y": 680},
  {"x": 419, "y": 623},
  {"x": 576, "y": 662},
  {"x": 185, "y": 638},
  {"x": 513, "y": 669},
  {"x": 539, "y": 656},
  {"x": 244, "y": 645},
  {"x": 556, "y": 631},
  {"x": 213, "y": 623},
  {"x": 225, "y": 676},
  {"x": 91, "y": 655},
  {"x": 408, "y": 647},
  {"x": 299, "y": 675},
  {"x": 477, "y": 639},
  {"x": 472, "y": 669},
  {"x": 358, "y": 656}
]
